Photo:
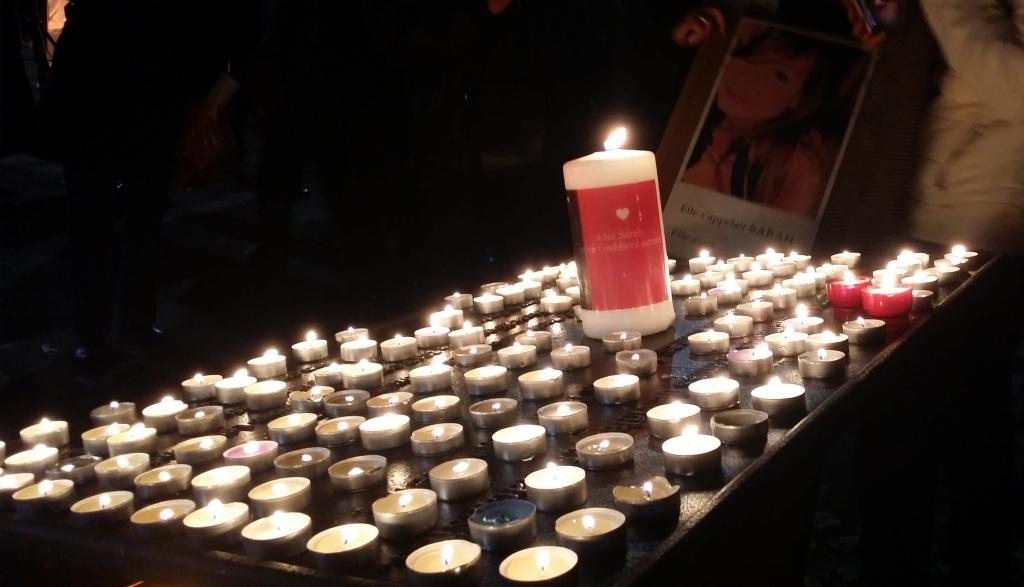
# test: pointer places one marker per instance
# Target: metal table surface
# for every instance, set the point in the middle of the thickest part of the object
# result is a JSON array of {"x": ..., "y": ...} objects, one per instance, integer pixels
[{"x": 172, "y": 561}]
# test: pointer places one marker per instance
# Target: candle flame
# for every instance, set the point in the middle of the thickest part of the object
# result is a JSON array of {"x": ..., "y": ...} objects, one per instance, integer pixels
[
  {"x": 622, "y": 336},
  {"x": 801, "y": 311},
  {"x": 311, "y": 336},
  {"x": 958, "y": 250},
  {"x": 45, "y": 487},
  {"x": 278, "y": 488},
  {"x": 603, "y": 445},
  {"x": 111, "y": 430},
  {"x": 543, "y": 559},
  {"x": 122, "y": 463},
  {"x": 349, "y": 399},
  {"x": 198, "y": 378},
  {"x": 647, "y": 488},
  {"x": 270, "y": 353},
  {"x": 703, "y": 254},
  {"x": 199, "y": 414},
  {"x": 348, "y": 534},
  {"x": 762, "y": 350},
  {"x": 495, "y": 407},
  {"x": 163, "y": 476},
  {"x": 216, "y": 508},
  {"x": 689, "y": 430},
  {"x": 635, "y": 357},
  {"x": 439, "y": 403},
  {"x": 437, "y": 432},
  {"x": 589, "y": 523},
  {"x": 860, "y": 321},
  {"x": 306, "y": 458},
  {"x": 774, "y": 381},
  {"x": 447, "y": 553},
  {"x": 616, "y": 139},
  {"x": 104, "y": 501},
  {"x": 460, "y": 467},
  {"x": 822, "y": 354},
  {"x": 277, "y": 519},
  {"x": 114, "y": 405},
  {"x": 205, "y": 444},
  {"x": 404, "y": 500},
  {"x": 251, "y": 447},
  {"x": 563, "y": 410},
  {"x": 355, "y": 471},
  {"x": 242, "y": 373},
  {"x": 68, "y": 468}
]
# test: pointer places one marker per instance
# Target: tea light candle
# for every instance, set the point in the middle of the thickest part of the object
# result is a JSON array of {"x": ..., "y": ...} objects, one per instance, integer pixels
[
  {"x": 402, "y": 348},
  {"x": 46, "y": 497},
  {"x": 565, "y": 282},
  {"x": 828, "y": 340},
  {"x": 80, "y": 469},
  {"x": 521, "y": 442},
  {"x": 847, "y": 292},
  {"x": 779, "y": 400},
  {"x": 922, "y": 300},
  {"x": 553, "y": 303},
  {"x": 563, "y": 417},
  {"x": 538, "y": 338},
  {"x": 432, "y": 336},
  {"x": 640, "y": 362},
  {"x": 346, "y": 403},
  {"x": 473, "y": 355},
  {"x": 338, "y": 431},
  {"x": 959, "y": 255},
  {"x": 395, "y": 402},
  {"x": 200, "y": 420},
  {"x": 229, "y": 483},
  {"x": 449, "y": 317},
  {"x": 607, "y": 450},
  {"x": 11, "y": 484},
  {"x": 162, "y": 519},
  {"x": 163, "y": 482},
  {"x": 726, "y": 295},
  {"x": 491, "y": 287},
  {"x": 648, "y": 505},
  {"x": 494, "y": 413},
  {"x": 735, "y": 326},
  {"x": 758, "y": 310},
  {"x": 532, "y": 289},
  {"x": 723, "y": 267},
  {"x": 758, "y": 277},
  {"x": 822, "y": 364},
  {"x": 715, "y": 393},
  {"x": 489, "y": 303},
  {"x": 820, "y": 278},
  {"x": 292, "y": 428},
  {"x": 94, "y": 440},
  {"x": 310, "y": 350},
  {"x": 200, "y": 387},
  {"x": 351, "y": 333},
  {"x": 384, "y": 432},
  {"x": 120, "y": 471},
  {"x": 288, "y": 494},
  {"x": 266, "y": 395},
  {"x": 279, "y": 535},
  {"x": 833, "y": 270},
  {"x": 802, "y": 322},
  {"x": 786, "y": 343},
  {"x": 540, "y": 565},
  {"x": 780, "y": 297},
  {"x": 362, "y": 375},
  {"x": 593, "y": 533},
  {"x": 161, "y": 415},
  {"x": 459, "y": 479},
  {"x": 517, "y": 356},
  {"x": 570, "y": 357},
  {"x": 557, "y": 487},
  {"x": 405, "y": 514},
  {"x": 504, "y": 524},
  {"x": 701, "y": 305},
  {"x": 511, "y": 294},
  {"x": 114, "y": 413},
  {"x": 753, "y": 362},
  {"x": 861, "y": 331},
  {"x": 887, "y": 300},
  {"x": 35, "y": 460},
  {"x": 741, "y": 263},
  {"x": 621, "y": 341},
  {"x": 461, "y": 301},
  {"x": 137, "y": 439},
  {"x": 310, "y": 400},
  {"x": 769, "y": 257},
  {"x": 847, "y": 258},
  {"x": 709, "y": 342},
  {"x": 436, "y": 439},
  {"x": 486, "y": 380},
  {"x": 921, "y": 280},
  {"x": 104, "y": 508},
  {"x": 258, "y": 455},
  {"x": 232, "y": 389},
  {"x": 740, "y": 426},
  {"x": 270, "y": 365},
  {"x": 617, "y": 389},
  {"x": 358, "y": 473},
  {"x": 801, "y": 261},
  {"x": 700, "y": 263},
  {"x": 433, "y": 377},
  {"x": 217, "y": 523},
  {"x": 196, "y": 451},
  {"x": 783, "y": 269},
  {"x": 359, "y": 349},
  {"x": 346, "y": 547},
  {"x": 669, "y": 420},
  {"x": 439, "y": 408},
  {"x": 541, "y": 384},
  {"x": 947, "y": 275},
  {"x": 687, "y": 286},
  {"x": 804, "y": 284}
]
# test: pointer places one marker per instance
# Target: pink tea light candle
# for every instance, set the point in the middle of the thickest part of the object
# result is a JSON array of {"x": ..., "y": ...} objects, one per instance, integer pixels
[
  {"x": 847, "y": 292},
  {"x": 887, "y": 300}
]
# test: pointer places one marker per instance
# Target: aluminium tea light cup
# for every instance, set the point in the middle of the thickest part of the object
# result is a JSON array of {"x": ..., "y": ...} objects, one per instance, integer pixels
[
  {"x": 652, "y": 504},
  {"x": 708, "y": 342},
  {"x": 402, "y": 348},
  {"x": 532, "y": 290},
  {"x": 10, "y": 484},
  {"x": 43, "y": 498},
  {"x": 138, "y": 438},
  {"x": 395, "y": 402},
  {"x": 80, "y": 469},
  {"x": 736, "y": 326},
  {"x": 266, "y": 395},
  {"x": 47, "y": 432},
  {"x": 946, "y": 275},
  {"x": 758, "y": 310},
  {"x": 405, "y": 514},
  {"x": 429, "y": 378},
  {"x": 617, "y": 389},
  {"x": 555, "y": 303},
  {"x": 779, "y": 400},
  {"x": 541, "y": 339},
  {"x": 492, "y": 286},
  {"x": 351, "y": 333},
  {"x": 120, "y": 472},
  {"x": 288, "y": 494},
  {"x": 803, "y": 322},
  {"x": 517, "y": 356},
  {"x": 847, "y": 258},
  {"x": 161, "y": 415},
  {"x": 504, "y": 525},
  {"x": 358, "y": 473},
  {"x": 958, "y": 254},
  {"x": 431, "y": 337},
  {"x": 362, "y": 375},
  {"x": 783, "y": 269},
  {"x": 347, "y": 547},
  {"x": 267, "y": 366},
  {"x": 350, "y": 402},
  {"x": 829, "y": 341},
  {"x": 596, "y": 535},
  {"x": 563, "y": 417},
  {"x": 715, "y": 393},
  {"x": 557, "y": 487},
  {"x": 35, "y": 460},
  {"x": 511, "y": 294},
  {"x": 669, "y": 420},
  {"x": 444, "y": 563},
  {"x": 685, "y": 287},
  {"x": 162, "y": 519},
  {"x": 437, "y": 439},
  {"x": 921, "y": 300},
  {"x": 231, "y": 390},
  {"x": 473, "y": 355},
  {"x": 109, "y": 507},
  {"x": 755, "y": 362},
  {"x": 865, "y": 331},
  {"x": 608, "y": 450},
  {"x": 306, "y": 462},
  {"x": 787, "y": 343},
  {"x": 217, "y": 523},
  {"x": 466, "y": 336},
  {"x": 758, "y": 277},
  {"x": 94, "y": 440},
  {"x": 549, "y": 566},
  {"x": 292, "y": 428},
  {"x": 488, "y": 303},
  {"x": 804, "y": 285},
  {"x": 701, "y": 305},
  {"x": 740, "y": 426},
  {"x": 200, "y": 450},
  {"x": 279, "y": 535},
  {"x": 541, "y": 384},
  {"x": 338, "y": 431},
  {"x": 114, "y": 413},
  {"x": 358, "y": 350},
  {"x": 639, "y": 362},
  {"x": 723, "y": 267},
  {"x": 741, "y": 263},
  {"x": 228, "y": 483},
  {"x": 436, "y": 409},
  {"x": 163, "y": 482},
  {"x": 846, "y": 292},
  {"x": 621, "y": 341},
  {"x": 822, "y": 364},
  {"x": 801, "y": 261},
  {"x": 726, "y": 296},
  {"x": 494, "y": 413},
  {"x": 384, "y": 432},
  {"x": 486, "y": 380},
  {"x": 700, "y": 263},
  {"x": 833, "y": 270},
  {"x": 780, "y": 297},
  {"x": 258, "y": 455},
  {"x": 311, "y": 349},
  {"x": 310, "y": 400},
  {"x": 449, "y": 317},
  {"x": 521, "y": 442},
  {"x": 564, "y": 282},
  {"x": 709, "y": 279},
  {"x": 570, "y": 357},
  {"x": 200, "y": 420},
  {"x": 459, "y": 479}
]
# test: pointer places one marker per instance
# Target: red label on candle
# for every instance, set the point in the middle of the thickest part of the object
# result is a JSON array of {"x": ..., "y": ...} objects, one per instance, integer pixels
[{"x": 623, "y": 245}]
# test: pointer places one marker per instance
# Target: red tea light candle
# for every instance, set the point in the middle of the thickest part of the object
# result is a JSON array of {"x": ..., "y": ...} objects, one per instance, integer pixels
[
  {"x": 437, "y": 409},
  {"x": 432, "y": 337},
  {"x": 758, "y": 277},
  {"x": 887, "y": 300},
  {"x": 311, "y": 349},
  {"x": 735, "y": 326},
  {"x": 847, "y": 258},
  {"x": 828, "y": 340},
  {"x": 787, "y": 343},
  {"x": 861, "y": 331},
  {"x": 231, "y": 390},
  {"x": 449, "y": 317},
  {"x": 494, "y": 413},
  {"x": 401, "y": 348},
  {"x": 847, "y": 292},
  {"x": 700, "y": 263},
  {"x": 200, "y": 387},
  {"x": 557, "y": 487},
  {"x": 921, "y": 280},
  {"x": 709, "y": 342},
  {"x": 562, "y": 418},
  {"x": 270, "y": 365},
  {"x": 351, "y": 333},
  {"x": 395, "y": 402},
  {"x": 685, "y": 287},
  {"x": 459, "y": 301},
  {"x": 701, "y": 305},
  {"x": 359, "y": 349},
  {"x": 803, "y": 322},
  {"x": 755, "y": 362}
]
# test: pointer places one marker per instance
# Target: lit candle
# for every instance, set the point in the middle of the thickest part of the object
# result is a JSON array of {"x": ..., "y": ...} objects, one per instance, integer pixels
[
  {"x": 700, "y": 263},
  {"x": 384, "y": 432},
  {"x": 431, "y": 337},
  {"x": 833, "y": 270},
  {"x": 459, "y": 479},
  {"x": 460, "y": 301},
  {"x": 269, "y": 365},
  {"x": 489, "y": 303},
  {"x": 540, "y": 565},
  {"x": 113, "y": 413},
  {"x": 120, "y": 472},
  {"x": 822, "y": 364},
  {"x": 740, "y": 426},
  {"x": 801, "y": 261},
  {"x": 728, "y": 293},
  {"x": 449, "y": 562},
  {"x": 532, "y": 289},
  {"x": 741, "y": 263},
  {"x": 597, "y": 535},
  {"x": 783, "y": 269},
  {"x": 511, "y": 294},
  {"x": 346, "y": 547},
  {"x": 553, "y": 303},
  {"x": 803, "y": 322},
  {"x": 701, "y": 305},
  {"x": 617, "y": 389},
  {"x": 687, "y": 286},
  {"x": 787, "y": 343},
  {"x": 338, "y": 431},
  {"x": 570, "y": 357},
  {"x": 228, "y": 483},
  {"x": 847, "y": 258},
  {"x": 769, "y": 257},
  {"x": 753, "y": 362},
  {"x": 292, "y": 428},
  {"x": 436, "y": 409},
  {"x": 805, "y": 284},
  {"x": 947, "y": 275},
  {"x": 200, "y": 420},
  {"x": 46, "y": 497},
  {"x": 723, "y": 267},
  {"x": 557, "y": 487},
  {"x": 200, "y": 387},
  {"x": 351, "y": 333},
  {"x": 517, "y": 356},
  {"x": 735, "y": 326},
  {"x": 163, "y": 482},
  {"x": 310, "y": 400},
  {"x": 715, "y": 393},
  {"x": 201, "y": 450},
  {"x": 217, "y": 523},
  {"x": 781, "y": 297},
  {"x": 10, "y": 484},
  {"x": 104, "y": 508},
  {"x": 779, "y": 400},
  {"x": 607, "y": 450},
  {"x": 861, "y": 331},
  {"x": 888, "y": 300},
  {"x": 848, "y": 291},
  {"x": 959, "y": 255},
  {"x": 311, "y": 349},
  {"x": 231, "y": 390},
  {"x": 473, "y": 355},
  {"x": 161, "y": 415},
  {"x": 395, "y": 402},
  {"x": 921, "y": 280},
  {"x": 162, "y": 519},
  {"x": 266, "y": 395},
  {"x": 759, "y": 310},
  {"x": 359, "y": 349},
  {"x": 563, "y": 417},
  {"x": 503, "y": 525},
  {"x": 486, "y": 380},
  {"x": 669, "y": 420},
  {"x": 80, "y": 469},
  {"x": 494, "y": 413},
  {"x": 288, "y": 494},
  {"x": 432, "y": 377},
  {"x": 521, "y": 442},
  {"x": 541, "y": 339},
  {"x": 362, "y": 375},
  {"x": 402, "y": 348},
  {"x": 258, "y": 455},
  {"x": 358, "y": 473},
  {"x": 137, "y": 439},
  {"x": 437, "y": 439},
  {"x": 758, "y": 277},
  {"x": 279, "y": 535},
  {"x": 922, "y": 300},
  {"x": 709, "y": 342},
  {"x": 405, "y": 514},
  {"x": 541, "y": 384},
  {"x": 621, "y": 341},
  {"x": 651, "y": 508},
  {"x": 449, "y": 317},
  {"x": 94, "y": 440},
  {"x": 828, "y": 340},
  {"x": 346, "y": 403}
]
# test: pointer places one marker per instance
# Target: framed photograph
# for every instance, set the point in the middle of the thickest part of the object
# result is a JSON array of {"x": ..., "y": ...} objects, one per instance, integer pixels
[{"x": 757, "y": 138}]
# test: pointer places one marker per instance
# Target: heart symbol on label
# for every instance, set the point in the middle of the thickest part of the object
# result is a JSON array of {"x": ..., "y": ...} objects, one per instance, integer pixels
[{"x": 622, "y": 213}]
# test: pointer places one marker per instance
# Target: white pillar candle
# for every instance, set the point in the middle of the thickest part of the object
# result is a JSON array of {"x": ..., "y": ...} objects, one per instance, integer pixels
[
  {"x": 288, "y": 494},
  {"x": 258, "y": 455},
  {"x": 494, "y": 413},
  {"x": 803, "y": 322},
  {"x": 120, "y": 472},
  {"x": 137, "y": 439},
  {"x": 311, "y": 349},
  {"x": 94, "y": 440},
  {"x": 266, "y": 395},
  {"x": 847, "y": 258},
  {"x": 786, "y": 343},
  {"x": 34, "y": 460},
  {"x": 270, "y": 364},
  {"x": 700, "y": 263},
  {"x": 473, "y": 355},
  {"x": 780, "y": 297},
  {"x": 431, "y": 336},
  {"x": 384, "y": 432},
  {"x": 758, "y": 277},
  {"x": 162, "y": 519},
  {"x": 449, "y": 562},
  {"x": 306, "y": 462},
  {"x": 279, "y": 535},
  {"x": 560, "y": 418},
  {"x": 46, "y": 497},
  {"x": 511, "y": 294},
  {"x": 359, "y": 349},
  {"x": 401, "y": 348},
  {"x": 231, "y": 390},
  {"x": 687, "y": 286},
  {"x": 310, "y": 400},
  {"x": 358, "y": 473},
  {"x": 395, "y": 402},
  {"x": 292, "y": 428},
  {"x": 104, "y": 508},
  {"x": 517, "y": 356},
  {"x": 217, "y": 523},
  {"x": 346, "y": 547},
  {"x": 715, "y": 393},
  {"x": 557, "y": 487},
  {"x": 668, "y": 420},
  {"x": 639, "y": 362},
  {"x": 521, "y": 442},
  {"x": 330, "y": 375},
  {"x": 346, "y": 403},
  {"x": 753, "y": 362},
  {"x": 759, "y": 310},
  {"x": 488, "y": 303},
  {"x": 459, "y": 479},
  {"x": 861, "y": 331},
  {"x": 436, "y": 409},
  {"x": 621, "y": 341},
  {"x": 541, "y": 339},
  {"x": 338, "y": 431},
  {"x": 460, "y": 301},
  {"x": 201, "y": 450},
  {"x": 436, "y": 439},
  {"x": 351, "y": 333},
  {"x": 200, "y": 420},
  {"x": 570, "y": 357},
  {"x": 691, "y": 454},
  {"x": 163, "y": 482},
  {"x": 828, "y": 340},
  {"x": 594, "y": 534},
  {"x": 449, "y": 317},
  {"x": 740, "y": 426},
  {"x": 405, "y": 514},
  {"x": 700, "y": 305},
  {"x": 553, "y": 303},
  {"x": 822, "y": 364},
  {"x": 486, "y": 380},
  {"x": 541, "y": 384},
  {"x": 540, "y": 565},
  {"x": 779, "y": 400},
  {"x": 80, "y": 469},
  {"x": 200, "y": 387},
  {"x": 617, "y": 389},
  {"x": 114, "y": 413},
  {"x": 161, "y": 415},
  {"x": 607, "y": 450},
  {"x": 735, "y": 326},
  {"x": 709, "y": 279},
  {"x": 228, "y": 483},
  {"x": 708, "y": 342},
  {"x": 362, "y": 375}
]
